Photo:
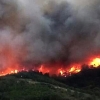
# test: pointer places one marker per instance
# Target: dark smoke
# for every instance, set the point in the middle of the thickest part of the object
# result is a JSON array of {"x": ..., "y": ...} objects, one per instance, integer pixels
[{"x": 45, "y": 31}]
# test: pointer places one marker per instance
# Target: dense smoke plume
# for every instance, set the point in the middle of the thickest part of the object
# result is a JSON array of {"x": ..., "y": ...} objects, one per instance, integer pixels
[{"x": 35, "y": 32}]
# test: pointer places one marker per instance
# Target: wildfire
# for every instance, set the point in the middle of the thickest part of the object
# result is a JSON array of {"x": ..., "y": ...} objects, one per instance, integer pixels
[
  {"x": 61, "y": 72},
  {"x": 12, "y": 71},
  {"x": 74, "y": 69},
  {"x": 71, "y": 70},
  {"x": 9, "y": 72},
  {"x": 95, "y": 62},
  {"x": 57, "y": 69}
]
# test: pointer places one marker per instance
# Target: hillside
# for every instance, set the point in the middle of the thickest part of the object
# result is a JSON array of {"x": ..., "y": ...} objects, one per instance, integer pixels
[
  {"x": 88, "y": 81},
  {"x": 35, "y": 86}
]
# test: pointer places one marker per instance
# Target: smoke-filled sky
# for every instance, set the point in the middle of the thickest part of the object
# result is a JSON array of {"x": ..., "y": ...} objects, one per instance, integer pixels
[{"x": 41, "y": 31}]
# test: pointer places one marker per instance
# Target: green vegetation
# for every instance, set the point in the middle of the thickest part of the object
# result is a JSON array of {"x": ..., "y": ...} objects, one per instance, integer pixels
[
  {"x": 35, "y": 86},
  {"x": 36, "y": 76}
]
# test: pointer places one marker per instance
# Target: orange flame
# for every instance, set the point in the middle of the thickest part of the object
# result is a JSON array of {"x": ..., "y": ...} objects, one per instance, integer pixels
[
  {"x": 74, "y": 69},
  {"x": 61, "y": 72},
  {"x": 95, "y": 62},
  {"x": 58, "y": 70}
]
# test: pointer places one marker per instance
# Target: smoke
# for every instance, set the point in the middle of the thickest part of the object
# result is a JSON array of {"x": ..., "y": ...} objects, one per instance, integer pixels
[{"x": 48, "y": 31}]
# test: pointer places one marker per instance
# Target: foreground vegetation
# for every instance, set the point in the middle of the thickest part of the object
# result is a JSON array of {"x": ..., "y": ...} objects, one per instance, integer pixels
[{"x": 35, "y": 86}]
